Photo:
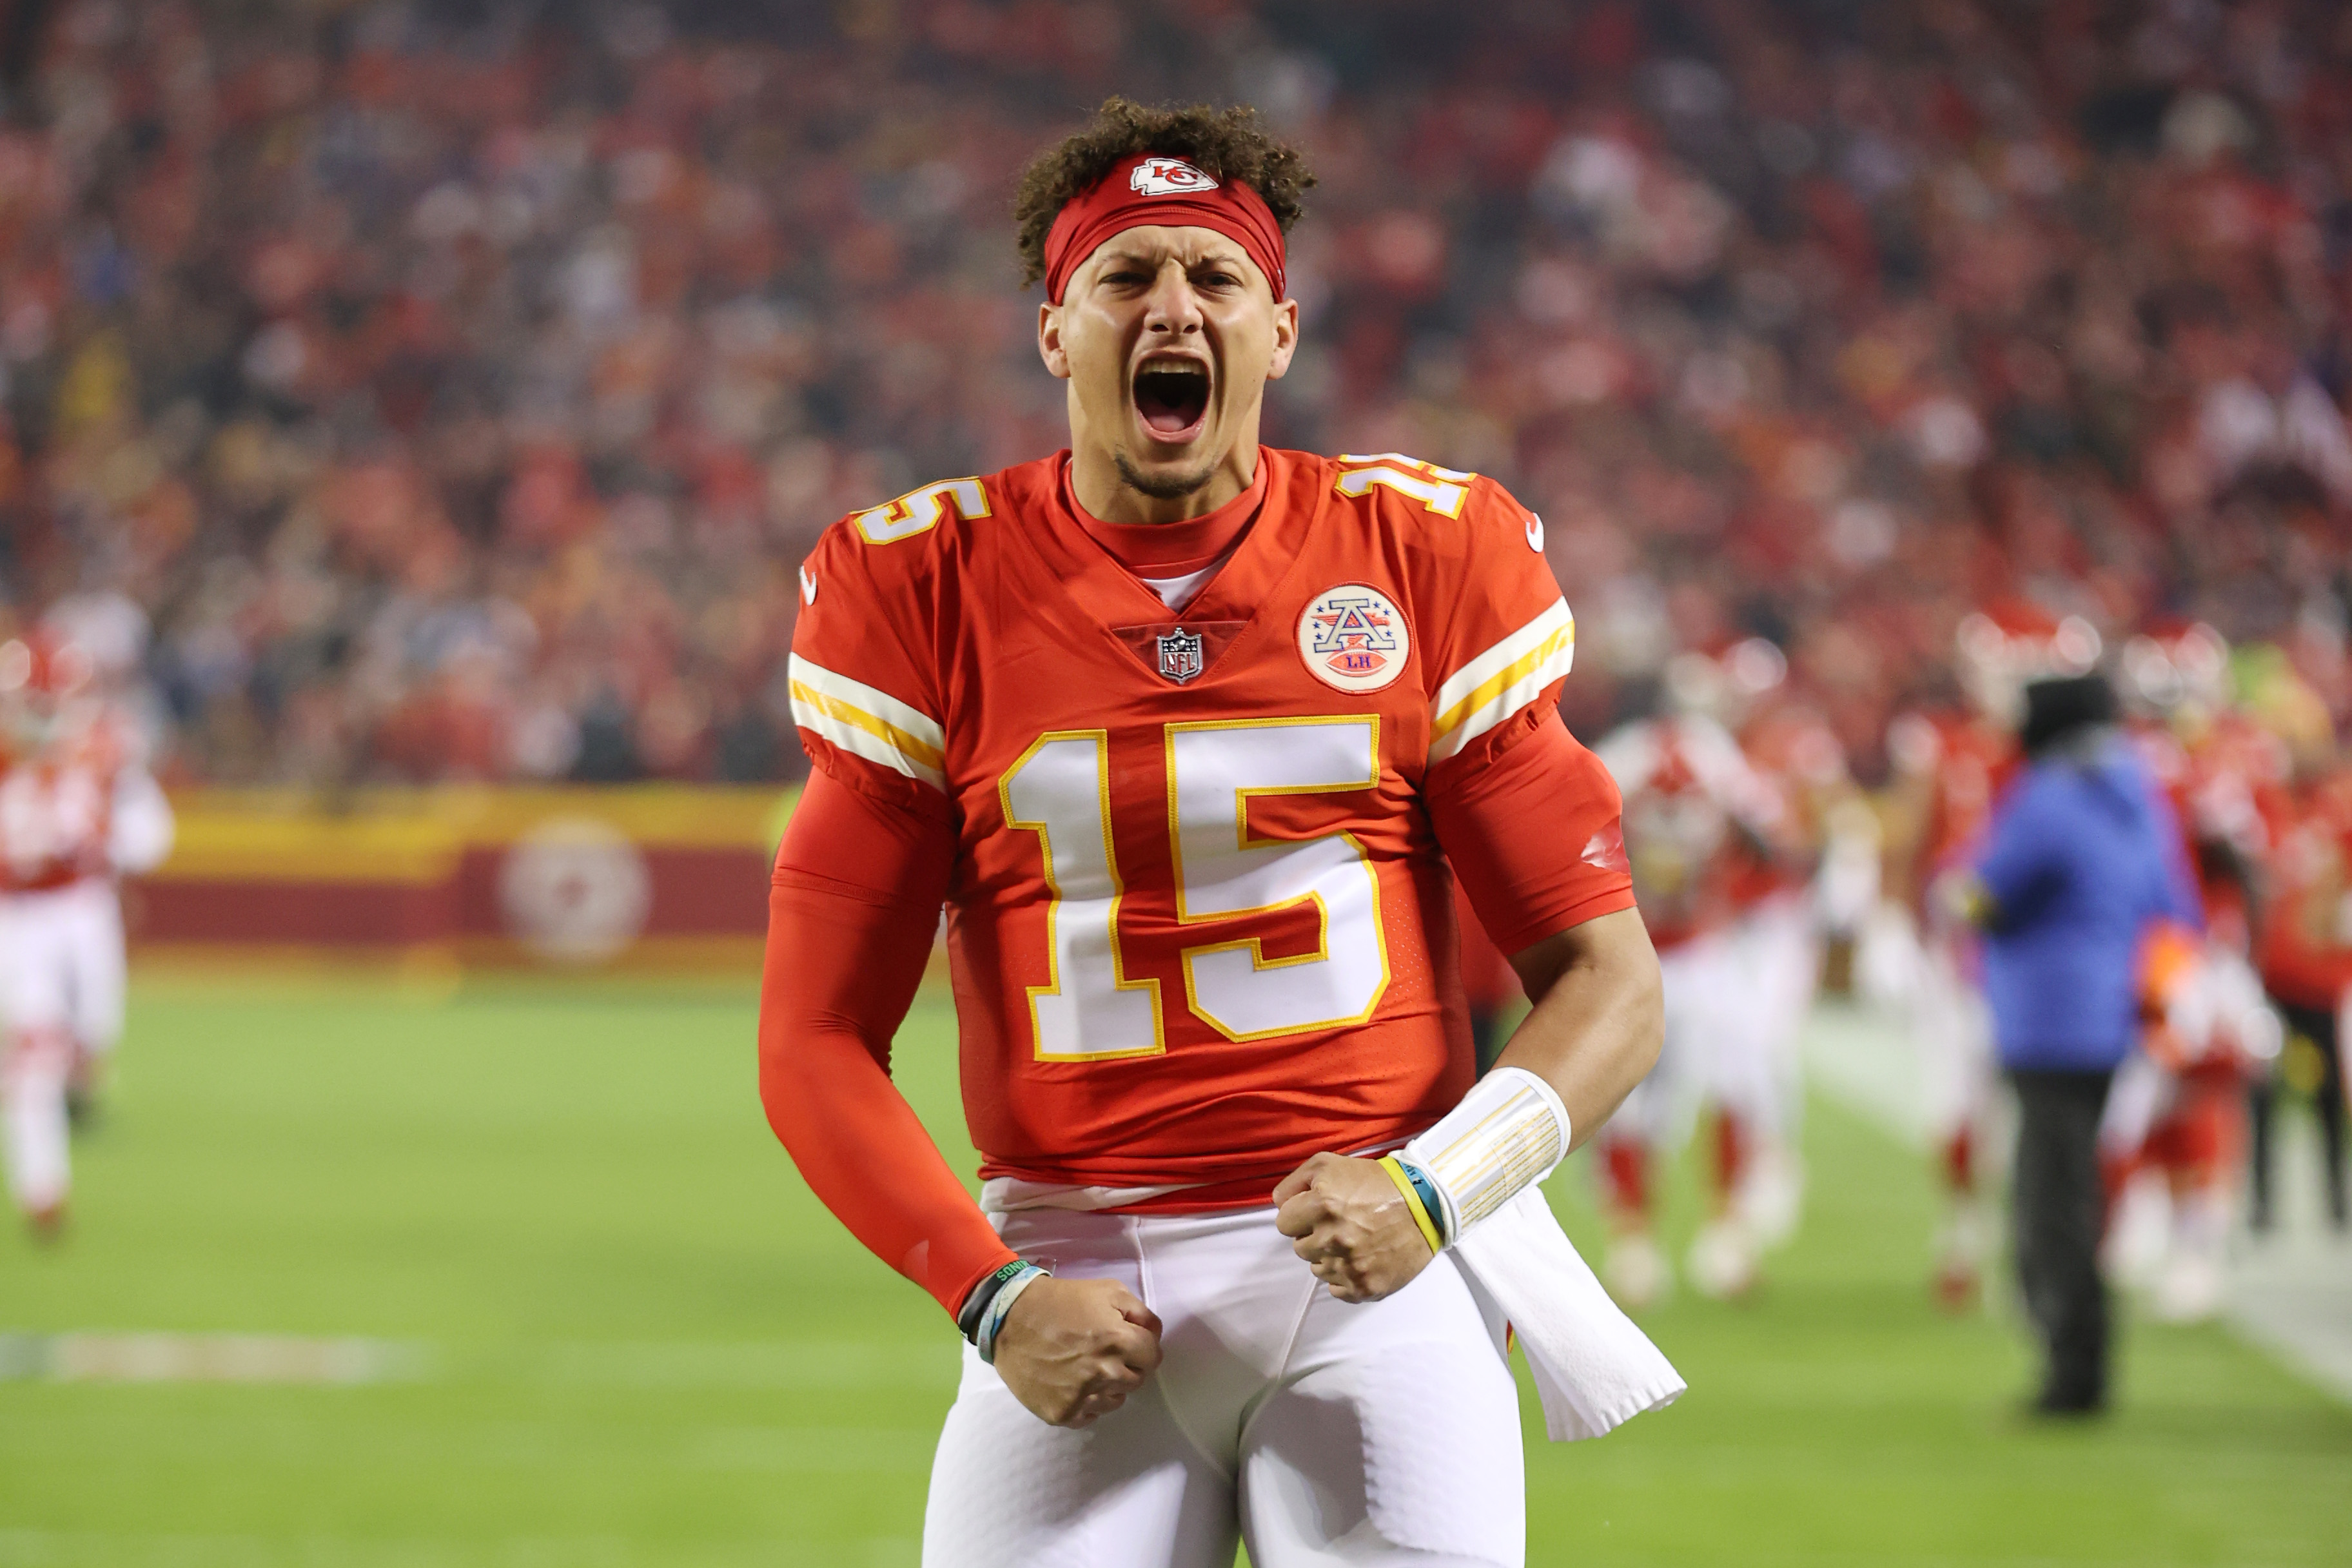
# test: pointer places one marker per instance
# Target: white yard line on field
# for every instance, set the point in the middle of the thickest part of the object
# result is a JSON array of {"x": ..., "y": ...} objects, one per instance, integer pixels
[
  {"x": 1865, "y": 1063},
  {"x": 2290, "y": 1293},
  {"x": 97, "y": 1356},
  {"x": 92, "y": 1357}
]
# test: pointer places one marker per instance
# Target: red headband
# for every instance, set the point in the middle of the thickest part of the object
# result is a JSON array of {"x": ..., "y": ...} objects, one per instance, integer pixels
[{"x": 1149, "y": 188}]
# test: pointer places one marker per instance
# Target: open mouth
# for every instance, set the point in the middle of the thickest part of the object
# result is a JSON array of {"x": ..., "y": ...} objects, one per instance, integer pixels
[{"x": 1173, "y": 398}]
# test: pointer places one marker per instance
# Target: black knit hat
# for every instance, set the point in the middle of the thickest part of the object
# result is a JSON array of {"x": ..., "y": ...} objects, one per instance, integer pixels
[{"x": 2055, "y": 711}]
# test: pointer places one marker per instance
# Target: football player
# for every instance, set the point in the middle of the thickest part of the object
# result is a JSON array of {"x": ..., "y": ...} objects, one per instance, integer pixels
[
  {"x": 1704, "y": 833},
  {"x": 2304, "y": 947},
  {"x": 76, "y": 810},
  {"x": 1184, "y": 731},
  {"x": 1823, "y": 880},
  {"x": 2175, "y": 1132}
]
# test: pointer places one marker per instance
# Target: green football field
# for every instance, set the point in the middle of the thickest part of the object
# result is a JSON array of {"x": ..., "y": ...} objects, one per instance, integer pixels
[{"x": 603, "y": 1324}]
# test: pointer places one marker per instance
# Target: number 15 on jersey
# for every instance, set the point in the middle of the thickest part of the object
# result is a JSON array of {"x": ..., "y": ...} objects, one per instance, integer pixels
[{"x": 1089, "y": 1009}]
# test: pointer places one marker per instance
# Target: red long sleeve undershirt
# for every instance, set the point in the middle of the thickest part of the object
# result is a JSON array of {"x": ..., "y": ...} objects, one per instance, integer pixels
[
  {"x": 851, "y": 914},
  {"x": 1527, "y": 822}
]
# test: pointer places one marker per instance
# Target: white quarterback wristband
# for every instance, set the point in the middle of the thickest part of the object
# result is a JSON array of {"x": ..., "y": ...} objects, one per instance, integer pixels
[{"x": 1508, "y": 1133}]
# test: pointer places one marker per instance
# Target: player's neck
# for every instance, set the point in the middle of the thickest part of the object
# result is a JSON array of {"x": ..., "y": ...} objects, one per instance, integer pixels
[{"x": 1097, "y": 482}]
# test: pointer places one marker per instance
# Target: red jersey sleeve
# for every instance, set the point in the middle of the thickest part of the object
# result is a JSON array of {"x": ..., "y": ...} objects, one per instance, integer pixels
[
  {"x": 866, "y": 702},
  {"x": 1527, "y": 816},
  {"x": 1502, "y": 638},
  {"x": 857, "y": 896},
  {"x": 1532, "y": 830}
]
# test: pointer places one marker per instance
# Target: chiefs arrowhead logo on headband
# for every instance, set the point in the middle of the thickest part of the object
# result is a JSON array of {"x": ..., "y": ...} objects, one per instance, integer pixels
[
  {"x": 1153, "y": 188},
  {"x": 1167, "y": 177}
]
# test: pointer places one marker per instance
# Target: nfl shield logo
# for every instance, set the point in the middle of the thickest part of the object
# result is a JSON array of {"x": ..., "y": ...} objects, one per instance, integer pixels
[{"x": 1180, "y": 655}]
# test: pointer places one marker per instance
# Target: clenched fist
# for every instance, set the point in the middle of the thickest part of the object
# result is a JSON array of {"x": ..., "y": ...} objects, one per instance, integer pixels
[
  {"x": 1073, "y": 1350},
  {"x": 1348, "y": 1220}
]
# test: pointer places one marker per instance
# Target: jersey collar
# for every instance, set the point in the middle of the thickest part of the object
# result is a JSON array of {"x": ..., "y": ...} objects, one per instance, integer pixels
[{"x": 1109, "y": 593}]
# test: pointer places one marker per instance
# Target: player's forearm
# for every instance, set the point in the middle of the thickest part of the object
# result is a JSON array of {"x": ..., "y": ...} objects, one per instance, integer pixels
[
  {"x": 839, "y": 975},
  {"x": 1367, "y": 1227},
  {"x": 1598, "y": 1019},
  {"x": 851, "y": 917}
]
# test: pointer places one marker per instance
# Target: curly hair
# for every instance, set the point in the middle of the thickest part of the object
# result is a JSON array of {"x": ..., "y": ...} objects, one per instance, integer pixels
[{"x": 1228, "y": 143}]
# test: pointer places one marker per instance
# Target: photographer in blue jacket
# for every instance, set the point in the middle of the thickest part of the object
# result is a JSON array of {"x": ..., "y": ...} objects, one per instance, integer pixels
[{"x": 2082, "y": 854}]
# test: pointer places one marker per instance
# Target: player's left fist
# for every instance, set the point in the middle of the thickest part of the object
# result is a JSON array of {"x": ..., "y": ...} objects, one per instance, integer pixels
[{"x": 1348, "y": 1220}]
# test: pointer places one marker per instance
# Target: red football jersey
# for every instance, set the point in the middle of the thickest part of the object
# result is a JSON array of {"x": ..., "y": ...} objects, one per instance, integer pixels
[
  {"x": 2306, "y": 952},
  {"x": 1698, "y": 822},
  {"x": 1200, "y": 926},
  {"x": 1969, "y": 763},
  {"x": 56, "y": 810},
  {"x": 1792, "y": 749}
]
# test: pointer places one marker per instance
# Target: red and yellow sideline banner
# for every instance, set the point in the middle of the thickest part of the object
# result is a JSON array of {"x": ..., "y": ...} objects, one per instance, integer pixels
[{"x": 654, "y": 874}]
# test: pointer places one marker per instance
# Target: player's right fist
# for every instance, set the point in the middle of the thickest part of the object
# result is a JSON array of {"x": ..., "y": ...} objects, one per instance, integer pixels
[{"x": 1073, "y": 1350}]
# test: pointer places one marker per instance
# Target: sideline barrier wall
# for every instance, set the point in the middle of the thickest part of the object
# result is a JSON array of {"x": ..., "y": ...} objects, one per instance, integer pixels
[{"x": 629, "y": 875}]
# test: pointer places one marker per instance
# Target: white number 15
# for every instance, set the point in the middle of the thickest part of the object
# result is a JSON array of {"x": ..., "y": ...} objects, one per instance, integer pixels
[{"x": 1088, "y": 1009}]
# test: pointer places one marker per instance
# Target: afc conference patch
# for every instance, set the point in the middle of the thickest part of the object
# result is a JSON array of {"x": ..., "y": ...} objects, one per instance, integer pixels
[
  {"x": 1354, "y": 638},
  {"x": 1180, "y": 655}
]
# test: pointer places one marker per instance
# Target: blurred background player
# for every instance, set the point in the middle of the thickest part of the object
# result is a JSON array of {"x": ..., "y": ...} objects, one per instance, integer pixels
[
  {"x": 2173, "y": 1135},
  {"x": 1820, "y": 884},
  {"x": 2304, "y": 946},
  {"x": 2176, "y": 1127},
  {"x": 1705, "y": 833},
  {"x": 78, "y": 809}
]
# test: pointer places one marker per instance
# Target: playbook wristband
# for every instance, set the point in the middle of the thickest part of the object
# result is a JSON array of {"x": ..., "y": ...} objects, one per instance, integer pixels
[{"x": 1508, "y": 1133}]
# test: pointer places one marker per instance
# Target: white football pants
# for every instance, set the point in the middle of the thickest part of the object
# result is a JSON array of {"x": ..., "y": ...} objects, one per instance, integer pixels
[
  {"x": 1704, "y": 986},
  {"x": 61, "y": 963},
  {"x": 1952, "y": 1029},
  {"x": 1762, "y": 1077},
  {"x": 60, "y": 990},
  {"x": 1317, "y": 1432}
]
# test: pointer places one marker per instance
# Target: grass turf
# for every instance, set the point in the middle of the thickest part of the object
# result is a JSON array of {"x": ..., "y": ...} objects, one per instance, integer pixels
[{"x": 643, "y": 1343}]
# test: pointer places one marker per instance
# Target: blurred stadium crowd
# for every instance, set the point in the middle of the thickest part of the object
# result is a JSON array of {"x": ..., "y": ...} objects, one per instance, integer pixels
[{"x": 451, "y": 388}]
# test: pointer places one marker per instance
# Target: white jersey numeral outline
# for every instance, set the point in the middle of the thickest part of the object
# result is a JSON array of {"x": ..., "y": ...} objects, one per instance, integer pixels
[
  {"x": 1088, "y": 1010},
  {"x": 1441, "y": 491}
]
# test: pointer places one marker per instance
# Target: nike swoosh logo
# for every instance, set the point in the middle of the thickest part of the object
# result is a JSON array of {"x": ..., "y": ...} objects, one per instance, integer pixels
[
  {"x": 1535, "y": 533},
  {"x": 808, "y": 586}
]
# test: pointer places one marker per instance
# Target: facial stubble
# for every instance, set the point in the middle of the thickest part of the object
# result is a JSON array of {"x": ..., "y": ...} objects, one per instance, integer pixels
[{"x": 1172, "y": 487}]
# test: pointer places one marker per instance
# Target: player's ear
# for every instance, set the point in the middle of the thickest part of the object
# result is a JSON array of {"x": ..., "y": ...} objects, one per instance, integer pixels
[
  {"x": 1286, "y": 338},
  {"x": 1049, "y": 341}
]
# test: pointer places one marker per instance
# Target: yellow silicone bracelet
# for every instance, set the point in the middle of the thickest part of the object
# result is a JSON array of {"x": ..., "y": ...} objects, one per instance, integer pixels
[{"x": 1411, "y": 1202}]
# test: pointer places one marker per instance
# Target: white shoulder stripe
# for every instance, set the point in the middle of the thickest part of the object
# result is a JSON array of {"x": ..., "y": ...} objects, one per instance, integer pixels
[
  {"x": 1500, "y": 681},
  {"x": 872, "y": 724}
]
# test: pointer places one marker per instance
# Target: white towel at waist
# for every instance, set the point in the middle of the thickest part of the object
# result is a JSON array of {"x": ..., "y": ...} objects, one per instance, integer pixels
[{"x": 1593, "y": 1368}]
